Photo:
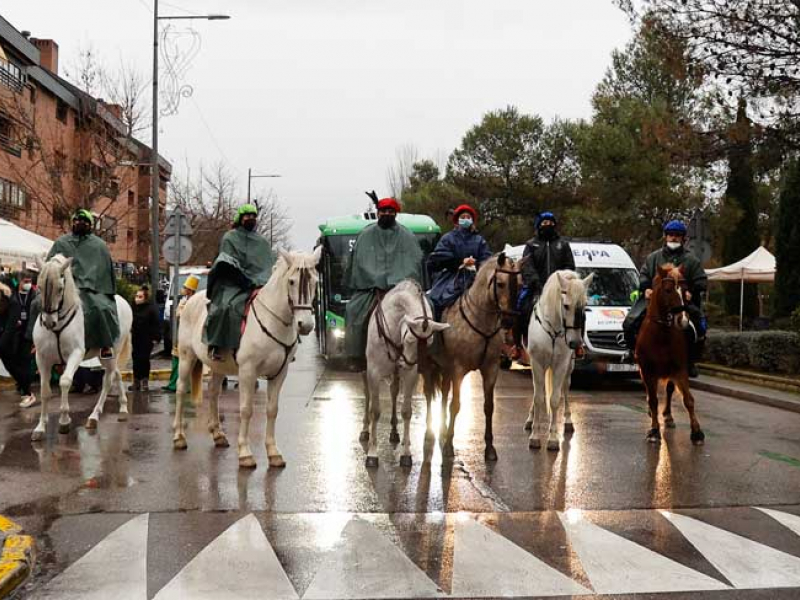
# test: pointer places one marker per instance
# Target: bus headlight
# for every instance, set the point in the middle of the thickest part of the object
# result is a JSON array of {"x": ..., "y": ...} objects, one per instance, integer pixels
[{"x": 338, "y": 333}]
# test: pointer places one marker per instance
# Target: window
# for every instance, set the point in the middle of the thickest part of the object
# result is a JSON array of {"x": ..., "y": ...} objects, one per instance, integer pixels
[
  {"x": 61, "y": 110},
  {"x": 12, "y": 194},
  {"x": 106, "y": 228},
  {"x": 11, "y": 75},
  {"x": 130, "y": 236},
  {"x": 8, "y": 140},
  {"x": 131, "y": 198}
]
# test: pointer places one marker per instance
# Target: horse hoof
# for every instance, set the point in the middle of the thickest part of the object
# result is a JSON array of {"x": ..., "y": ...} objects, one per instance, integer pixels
[
  {"x": 63, "y": 428},
  {"x": 405, "y": 460},
  {"x": 669, "y": 423},
  {"x": 91, "y": 423},
  {"x": 122, "y": 417},
  {"x": 490, "y": 454},
  {"x": 37, "y": 436},
  {"x": 654, "y": 436},
  {"x": 698, "y": 437},
  {"x": 371, "y": 462},
  {"x": 528, "y": 426},
  {"x": 569, "y": 428},
  {"x": 220, "y": 441},
  {"x": 553, "y": 445},
  {"x": 534, "y": 444},
  {"x": 179, "y": 443},
  {"x": 394, "y": 438},
  {"x": 277, "y": 462},
  {"x": 364, "y": 437},
  {"x": 247, "y": 462}
]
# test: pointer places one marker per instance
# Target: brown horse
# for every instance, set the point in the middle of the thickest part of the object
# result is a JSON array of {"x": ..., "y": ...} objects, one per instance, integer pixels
[
  {"x": 661, "y": 348},
  {"x": 473, "y": 342}
]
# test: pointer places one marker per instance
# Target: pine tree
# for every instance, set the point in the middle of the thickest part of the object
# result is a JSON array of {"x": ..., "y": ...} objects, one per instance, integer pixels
[
  {"x": 787, "y": 244},
  {"x": 740, "y": 197}
]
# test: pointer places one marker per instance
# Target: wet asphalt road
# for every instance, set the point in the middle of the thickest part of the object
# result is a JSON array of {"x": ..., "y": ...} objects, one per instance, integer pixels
[{"x": 82, "y": 491}]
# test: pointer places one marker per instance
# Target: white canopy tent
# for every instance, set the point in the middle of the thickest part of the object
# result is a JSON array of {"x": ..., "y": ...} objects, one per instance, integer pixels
[
  {"x": 758, "y": 267},
  {"x": 18, "y": 245}
]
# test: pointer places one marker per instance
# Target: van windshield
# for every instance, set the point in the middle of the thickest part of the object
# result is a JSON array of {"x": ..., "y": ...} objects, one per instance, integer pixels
[{"x": 611, "y": 287}]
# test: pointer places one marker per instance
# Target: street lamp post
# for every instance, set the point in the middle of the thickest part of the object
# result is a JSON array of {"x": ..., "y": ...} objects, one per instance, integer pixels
[
  {"x": 154, "y": 170},
  {"x": 250, "y": 176}
]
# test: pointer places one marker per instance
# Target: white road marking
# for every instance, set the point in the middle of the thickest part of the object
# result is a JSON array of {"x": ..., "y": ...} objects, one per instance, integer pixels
[{"x": 786, "y": 519}]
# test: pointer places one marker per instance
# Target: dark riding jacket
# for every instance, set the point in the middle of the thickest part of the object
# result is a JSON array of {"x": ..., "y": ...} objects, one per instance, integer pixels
[
  {"x": 545, "y": 257},
  {"x": 449, "y": 281},
  {"x": 696, "y": 277}
]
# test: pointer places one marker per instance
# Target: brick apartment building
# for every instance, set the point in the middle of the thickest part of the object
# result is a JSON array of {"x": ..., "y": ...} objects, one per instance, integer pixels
[{"x": 60, "y": 148}]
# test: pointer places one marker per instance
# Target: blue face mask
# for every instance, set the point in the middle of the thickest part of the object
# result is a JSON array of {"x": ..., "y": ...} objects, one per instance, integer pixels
[{"x": 465, "y": 222}]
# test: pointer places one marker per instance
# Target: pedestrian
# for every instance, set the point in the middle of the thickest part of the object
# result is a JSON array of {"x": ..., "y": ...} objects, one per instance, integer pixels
[
  {"x": 145, "y": 333},
  {"x": 15, "y": 353},
  {"x": 25, "y": 295},
  {"x": 189, "y": 289}
]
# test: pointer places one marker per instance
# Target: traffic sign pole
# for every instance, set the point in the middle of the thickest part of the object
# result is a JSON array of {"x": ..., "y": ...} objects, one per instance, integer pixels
[{"x": 176, "y": 280}]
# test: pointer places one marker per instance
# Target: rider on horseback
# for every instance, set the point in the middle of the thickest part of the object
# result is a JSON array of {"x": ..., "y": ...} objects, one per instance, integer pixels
[
  {"x": 243, "y": 264},
  {"x": 675, "y": 253},
  {"x": 385, "y": 253},
  {"x": 94, "y": 277},
  {"x": 456, "y": 259},
  {"x": 544, "y": 255}
]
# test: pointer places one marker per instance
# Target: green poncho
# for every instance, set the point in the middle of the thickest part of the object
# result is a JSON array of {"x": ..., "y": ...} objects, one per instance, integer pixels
[
  {"x": 381, "y": 259},
  {"x": 94, "y": 277},
  {"x": 244, "y": 262}
]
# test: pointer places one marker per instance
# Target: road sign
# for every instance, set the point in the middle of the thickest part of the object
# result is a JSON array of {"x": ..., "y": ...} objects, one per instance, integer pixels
[
  {"x": 173, "y": 227},
  {"x": 176, "y": 248}
]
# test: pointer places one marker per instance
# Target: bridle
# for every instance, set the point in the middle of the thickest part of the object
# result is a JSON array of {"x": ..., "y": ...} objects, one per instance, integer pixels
[
  {"x": 305, "y": 297},
  {"x": 669, "y": 320},
  {"x": 64, "y": 317},
  {"x": 399, "y": 347},
  {"x": 555, "y": 334}
]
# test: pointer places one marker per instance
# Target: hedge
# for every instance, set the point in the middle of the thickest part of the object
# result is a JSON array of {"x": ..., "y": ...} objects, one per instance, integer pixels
[{"x": 769, "y": 351}]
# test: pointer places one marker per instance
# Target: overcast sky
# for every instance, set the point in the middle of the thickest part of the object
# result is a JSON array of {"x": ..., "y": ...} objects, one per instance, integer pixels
[{"x": 323, "y": 92}]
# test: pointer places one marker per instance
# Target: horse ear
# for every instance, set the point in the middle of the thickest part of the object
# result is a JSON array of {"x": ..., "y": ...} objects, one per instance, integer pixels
[
  {"x": 521, "y": 262},
  {"x": 285, "y": 256},
  {"x": 39, "y": 262},
  {"x": 66, "y": 264},
  {"x": 317, "y": 254},
  {"x": 562, "y": 280},
  {"x": 587, "y": 281},
  {"x": 501, "y": 259}
]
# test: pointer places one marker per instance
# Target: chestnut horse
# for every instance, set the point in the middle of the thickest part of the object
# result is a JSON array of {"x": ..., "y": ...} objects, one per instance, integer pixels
[{"x": 661, "y": 350}]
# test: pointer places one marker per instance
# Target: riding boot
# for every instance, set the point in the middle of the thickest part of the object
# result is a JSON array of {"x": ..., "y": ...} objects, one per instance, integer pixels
[
  {"x": 145, "y": 385},
  {"x": 136, "y": 386}
]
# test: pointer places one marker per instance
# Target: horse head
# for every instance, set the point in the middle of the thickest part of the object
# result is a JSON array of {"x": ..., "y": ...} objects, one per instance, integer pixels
[
  {"x": 505, "y": 282},
  {"x": 301, "y": 284},
  {"x": 573, "y": 305},
  {"x": 667, "y": 298},
  {"x": 57, "y": 290}
]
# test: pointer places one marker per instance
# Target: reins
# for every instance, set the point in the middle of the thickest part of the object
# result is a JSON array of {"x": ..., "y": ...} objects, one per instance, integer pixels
[{"x": 399, "y": 348}]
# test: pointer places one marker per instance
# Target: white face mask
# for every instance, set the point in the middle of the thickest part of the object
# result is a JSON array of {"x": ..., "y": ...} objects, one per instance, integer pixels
[
  {"x": 674, "y": 245},
  {"x": 26, "y": 287},
  {"x": 465, "y": 222}
]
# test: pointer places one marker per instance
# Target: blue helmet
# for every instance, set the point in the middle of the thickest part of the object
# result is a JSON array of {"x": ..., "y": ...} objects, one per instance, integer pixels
[
  {"x": 543, "y": 216},
  {"x": 675, "y": 226}
]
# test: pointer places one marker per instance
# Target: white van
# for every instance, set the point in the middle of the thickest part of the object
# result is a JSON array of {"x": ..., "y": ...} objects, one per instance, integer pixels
[{"x": 615, "y": 280}]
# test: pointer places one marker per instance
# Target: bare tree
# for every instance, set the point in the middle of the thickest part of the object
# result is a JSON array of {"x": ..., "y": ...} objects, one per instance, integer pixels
[{"x": 398, "y": 173}]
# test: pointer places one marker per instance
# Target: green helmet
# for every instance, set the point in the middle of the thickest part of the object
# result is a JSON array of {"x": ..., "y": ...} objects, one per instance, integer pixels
[
  {"x": 245, "y": 209},
  {"x": 83, "y": 213}
]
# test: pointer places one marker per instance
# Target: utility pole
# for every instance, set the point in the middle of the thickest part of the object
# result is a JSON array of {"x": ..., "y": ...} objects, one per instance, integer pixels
[{"x": 250, "y": 177}]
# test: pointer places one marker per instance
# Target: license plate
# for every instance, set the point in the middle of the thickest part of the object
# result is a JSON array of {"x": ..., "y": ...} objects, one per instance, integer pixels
[{"x": 621, "y": 367}]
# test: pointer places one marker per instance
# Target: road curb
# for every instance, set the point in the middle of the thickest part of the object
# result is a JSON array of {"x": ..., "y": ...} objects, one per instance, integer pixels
[
  {"x": 155, "y": 375},
  {"x": 17, "y": 558},
  {"x": 749, "y": 396},
  {"x": 784, "y": 384}
]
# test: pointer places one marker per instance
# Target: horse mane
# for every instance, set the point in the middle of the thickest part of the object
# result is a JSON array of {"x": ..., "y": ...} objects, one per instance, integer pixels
[
  {"x": 551, "y": 294},
  {"x": 400, "y": 294},
  {"x": 50, "y": 280},
  {"x": 485, "y": 272}
]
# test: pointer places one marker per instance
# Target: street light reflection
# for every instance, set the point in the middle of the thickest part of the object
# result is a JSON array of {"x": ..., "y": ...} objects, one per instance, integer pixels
[
  {"x": 574, "y": 515},
  {"x": 337, "y": 433}
]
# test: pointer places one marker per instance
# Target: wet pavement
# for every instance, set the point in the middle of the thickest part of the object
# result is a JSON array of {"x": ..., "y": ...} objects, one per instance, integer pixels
[{"x": 608, "y": 514}]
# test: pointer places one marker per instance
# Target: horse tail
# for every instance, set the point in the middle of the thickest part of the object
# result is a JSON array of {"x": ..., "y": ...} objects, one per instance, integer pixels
[{"x": 197, "y": 383}]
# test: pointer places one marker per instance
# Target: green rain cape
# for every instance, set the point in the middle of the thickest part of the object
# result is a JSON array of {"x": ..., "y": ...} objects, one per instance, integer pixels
[
  {"x": 244, "y": 262},
  {"x": 381, "y": 259},
  {"x": 94, "y": 277}
]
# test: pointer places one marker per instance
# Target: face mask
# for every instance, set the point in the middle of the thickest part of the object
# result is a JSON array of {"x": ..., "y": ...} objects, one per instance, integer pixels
[
  {"x": 26, "y": 287},
  {"x": 465, "y": 222},
  {"x": 674, "y": 245},
  {"x": 547, "y": 232},
  {"x": 386, "y": 221},
  {"x": 139, "y": 300},
  {"x": 249, "y": 225},
  {"x": 80, "y": 228}
]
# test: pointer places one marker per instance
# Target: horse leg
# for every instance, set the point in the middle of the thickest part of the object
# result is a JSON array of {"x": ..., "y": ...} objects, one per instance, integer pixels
[
  {"x": 489, "y": 374},
  {"x": 45, "y": 369},
  {"x": 364, "y": 437},
  {"x": 186, "y": 366},
  {"x": 394, "y": 390},
  {"x": 651, "y": 385},
  {"x": 429, "y": 389},
  {"x": 569, "y": 428},
  {"x": 247, "y": 386},
  {"x": 455, "y": 406},
  {"x": 73, "y": 362},
  {"x": 374, "y": 382},
  {"x": 669, "y": 422},
  {"x": 697, "y": 437},
  {"x": 409, "y": 384},
  {"x": 538, "y": 374},
  {"x": 445, "y": 384},
  {"x": 554, "y": 403},
  {"x": 109, "y": 378},
  {"x": 273, "y": 394},
  {"x": 214, "y": 390}
]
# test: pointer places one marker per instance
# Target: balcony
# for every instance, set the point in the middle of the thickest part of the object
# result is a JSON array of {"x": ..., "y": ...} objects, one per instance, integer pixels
[{"x": 11, "y": 76}]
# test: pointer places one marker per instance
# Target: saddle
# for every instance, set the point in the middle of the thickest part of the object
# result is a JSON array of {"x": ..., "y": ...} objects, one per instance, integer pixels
[{"x": 247, "y": 306}]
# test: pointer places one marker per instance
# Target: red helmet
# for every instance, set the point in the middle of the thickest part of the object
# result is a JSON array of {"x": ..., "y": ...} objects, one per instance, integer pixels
[
  {"x": 465, "y": 208},
  {"x": 389, "y": 203}
]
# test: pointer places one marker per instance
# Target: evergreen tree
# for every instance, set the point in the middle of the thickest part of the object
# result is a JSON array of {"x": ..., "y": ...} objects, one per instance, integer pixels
[
  {"x": 740, "y": 202},
  {"x": 787, "y": 244}
]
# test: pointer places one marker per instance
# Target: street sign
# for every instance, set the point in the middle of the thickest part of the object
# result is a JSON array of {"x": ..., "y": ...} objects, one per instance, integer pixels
[
  {"x": 173, "y": 227},
  {"x": 176, "y": 248}
]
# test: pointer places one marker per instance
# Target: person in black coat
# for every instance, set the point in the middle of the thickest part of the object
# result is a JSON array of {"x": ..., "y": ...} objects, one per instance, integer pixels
[
  {"x": 15, "y": 348},
  {"x": 146, "y": 332}
]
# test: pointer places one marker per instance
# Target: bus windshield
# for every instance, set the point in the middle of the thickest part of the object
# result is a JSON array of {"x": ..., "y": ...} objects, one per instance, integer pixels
[{"x": 611, "y": 287}]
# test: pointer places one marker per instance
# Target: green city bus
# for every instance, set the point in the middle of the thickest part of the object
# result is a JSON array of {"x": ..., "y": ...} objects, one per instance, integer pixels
[{"x": 337, "y": 237}]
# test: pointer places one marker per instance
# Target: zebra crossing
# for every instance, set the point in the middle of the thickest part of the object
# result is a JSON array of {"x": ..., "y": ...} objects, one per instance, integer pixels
[{"x": 449, "y": 555}]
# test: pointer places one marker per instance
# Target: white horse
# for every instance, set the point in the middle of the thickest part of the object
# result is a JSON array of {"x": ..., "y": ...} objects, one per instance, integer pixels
[
  {"x": 554, "y": 332},
  {"x": 59, "y": 339},
  {"x": 281, "y": 312},
  {"x": 401, "y": 321}
]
